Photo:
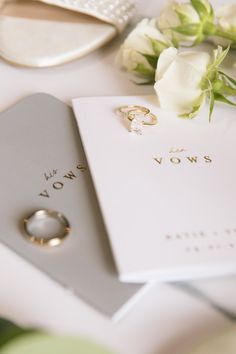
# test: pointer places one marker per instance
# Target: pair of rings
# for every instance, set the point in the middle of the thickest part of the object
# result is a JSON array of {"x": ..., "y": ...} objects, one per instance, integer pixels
[{"x": 138, "y": 117}]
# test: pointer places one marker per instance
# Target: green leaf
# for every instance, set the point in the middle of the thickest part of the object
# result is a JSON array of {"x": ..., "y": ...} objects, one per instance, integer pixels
[
  {"x": 144, "y": 83},
  {"x": 212, "y": 104},
  {"x": 184, "y": 19},
  {"x": 151, "y": 59},
  {"x": 220, "y": 56},
  {"x": 143, "y": 70},
  {"x": 9, "y": 331},
  {"x": 200, "y": 8},
  {"x": 203, "y": 8},
  {"x": 191, "y": 29},
  {"x": 228, "y": 90},
  {"x": 222, "y": 98},
  {"x": 230, "y": 79},
  {"x": 182, "y": 14},
  {"x": 191, "y": 114},
  {"x": 158, "y": 46},
  {"x": 209, "y": 28},
  {"x": 200, "y": 38},
  {"x": 196, "y": 109},
  {"x": 229, "y": 35},
  {"x": 174, "y": 40},
  {"x": 223, "y": 86},
  {"x": 217, "y": 85},
  {"x": 5, "y": 325}
]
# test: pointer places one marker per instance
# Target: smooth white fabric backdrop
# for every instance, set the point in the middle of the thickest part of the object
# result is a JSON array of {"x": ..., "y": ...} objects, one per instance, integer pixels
[{"x": 166, "y": 320}]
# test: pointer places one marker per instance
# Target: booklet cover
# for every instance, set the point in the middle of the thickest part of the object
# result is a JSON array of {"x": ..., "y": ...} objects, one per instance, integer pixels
[
  {"x": 43, "y": 167},
  {"x": 168, "y": 197}
]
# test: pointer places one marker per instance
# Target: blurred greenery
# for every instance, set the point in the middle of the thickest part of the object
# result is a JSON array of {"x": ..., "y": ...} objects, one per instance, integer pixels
[{"x": 17, "y": 340}]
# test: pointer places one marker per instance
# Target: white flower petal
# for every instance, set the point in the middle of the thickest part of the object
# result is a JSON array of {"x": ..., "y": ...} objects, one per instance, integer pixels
[
  {"x": 179, "y": 89},
  {"x": 190, "y": 12},
  {"x": 178, "y": 85},
  {"x": 165, "y": 59},
  {"x": 198, "y": 60},
  {"x": 131, "y": 58},
  {"x": 169, "y": 19},
  {"x": 138, "y": 38},
  {"x": 180, "y": 102},
  {"x": 226, "y": 16},
  {"x": 138, "y": 41}
]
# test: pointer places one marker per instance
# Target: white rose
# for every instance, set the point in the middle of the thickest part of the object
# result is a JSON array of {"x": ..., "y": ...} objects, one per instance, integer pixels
[
  {"x": 174, "y": 15},
  {"x": 226, "y": 22},
  {"x": 226, "y": 17},
  {"x": 178, "y": 80},
  {"x": 139, "y": 42}
]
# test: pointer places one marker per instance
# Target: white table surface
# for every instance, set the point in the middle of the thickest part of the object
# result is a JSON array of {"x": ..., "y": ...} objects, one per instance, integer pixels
[{"x": 166, "y": 320}]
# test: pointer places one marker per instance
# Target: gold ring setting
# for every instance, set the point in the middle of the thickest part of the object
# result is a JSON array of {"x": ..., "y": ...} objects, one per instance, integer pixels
[
  {"x": 46, "y": 228},
  {"x": 138, "y": 117}
]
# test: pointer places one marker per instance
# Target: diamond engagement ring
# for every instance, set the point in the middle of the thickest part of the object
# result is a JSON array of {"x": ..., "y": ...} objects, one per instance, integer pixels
[
  {"x": 46, "y": 228},
  {"x": 138, "y": 117}
]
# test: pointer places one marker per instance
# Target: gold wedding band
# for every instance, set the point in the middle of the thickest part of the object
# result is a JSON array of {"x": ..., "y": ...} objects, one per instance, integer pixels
[
  {"x": 46, "y": 228},
  {"x": 127, "y": 108}
]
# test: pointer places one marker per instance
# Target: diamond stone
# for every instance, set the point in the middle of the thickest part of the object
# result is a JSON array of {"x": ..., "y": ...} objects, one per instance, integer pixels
[{"x": 136, "y": 125}]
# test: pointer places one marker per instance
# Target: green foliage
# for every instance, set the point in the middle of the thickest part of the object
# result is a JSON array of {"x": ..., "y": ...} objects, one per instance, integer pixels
[
  {"x": 151, "y": 59},
  {"x": 217, "y": 83},
  {"x": 190, "y": 29},
  {"x": 9, "y": 331},
  {"x": 183, "y": 14},
  {"x": 158, "y": 46},
  {"x": 222, "y": 98},
  {"x": 143, "y": 70},
  {"x": 204, "y": 9},
  {"x": 212, "y": 104},
  {"x": 228, "y": 78},
  {"x": 196, "y": 109}
]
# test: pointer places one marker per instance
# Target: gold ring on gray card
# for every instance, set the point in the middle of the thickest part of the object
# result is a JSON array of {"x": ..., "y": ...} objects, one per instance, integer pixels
[{"x": 46, "y": 228}]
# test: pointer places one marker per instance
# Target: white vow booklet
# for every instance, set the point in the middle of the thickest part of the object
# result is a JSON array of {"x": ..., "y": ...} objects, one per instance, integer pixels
[
  {"x": 43, "y": 167},
  {"x": 168, "y": 197}
]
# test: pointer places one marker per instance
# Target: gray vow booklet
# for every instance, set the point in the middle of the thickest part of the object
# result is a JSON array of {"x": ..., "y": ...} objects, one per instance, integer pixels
[{"x": 43, "y": 166}]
